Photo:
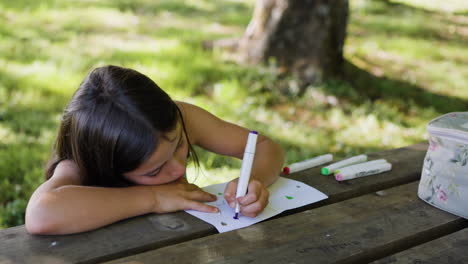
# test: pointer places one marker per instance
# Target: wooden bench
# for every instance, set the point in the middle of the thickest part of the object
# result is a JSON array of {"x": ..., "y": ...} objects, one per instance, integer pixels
[{"x": 377, "y": 218}]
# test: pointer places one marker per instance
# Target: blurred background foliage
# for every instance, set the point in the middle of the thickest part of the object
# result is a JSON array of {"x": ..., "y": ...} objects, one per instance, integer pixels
[{"x": 406, "y": 63}]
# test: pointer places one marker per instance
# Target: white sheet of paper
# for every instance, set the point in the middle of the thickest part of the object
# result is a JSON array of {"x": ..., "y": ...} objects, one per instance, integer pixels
[{"x": 285, "y": 194}]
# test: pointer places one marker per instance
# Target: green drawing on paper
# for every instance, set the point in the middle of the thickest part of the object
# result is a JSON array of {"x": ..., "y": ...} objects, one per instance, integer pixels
[
  {"x": 220, "y": 193},
  {"x": 289, "y": 197}
]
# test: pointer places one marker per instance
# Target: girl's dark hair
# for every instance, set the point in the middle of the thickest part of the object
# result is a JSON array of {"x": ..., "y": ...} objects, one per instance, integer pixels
[{"x": 113, "y": 123}]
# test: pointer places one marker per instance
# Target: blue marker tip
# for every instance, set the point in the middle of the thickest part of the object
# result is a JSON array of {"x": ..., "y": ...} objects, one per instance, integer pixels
[
  {"x": 254, "y": 132},
  {"x": 236, "y": 216}
]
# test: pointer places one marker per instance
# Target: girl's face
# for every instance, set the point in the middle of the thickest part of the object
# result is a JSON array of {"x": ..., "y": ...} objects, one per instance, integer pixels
[{"x": 166, "y": 164}]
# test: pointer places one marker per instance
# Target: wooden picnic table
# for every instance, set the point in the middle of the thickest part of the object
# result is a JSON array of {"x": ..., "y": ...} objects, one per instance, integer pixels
[{"x": 376, "y": 219}]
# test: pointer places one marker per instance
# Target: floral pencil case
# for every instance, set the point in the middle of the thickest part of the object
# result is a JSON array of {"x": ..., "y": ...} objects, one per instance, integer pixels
[{"x": 444, "y": 178}]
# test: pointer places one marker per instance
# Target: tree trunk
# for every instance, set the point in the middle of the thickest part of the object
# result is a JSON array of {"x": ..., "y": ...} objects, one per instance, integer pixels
[{"x": 304, "y": 37}]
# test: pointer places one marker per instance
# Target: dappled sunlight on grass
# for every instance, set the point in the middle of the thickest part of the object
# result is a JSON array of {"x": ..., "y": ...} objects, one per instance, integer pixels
[
  {"x": 369, "y": 130},
  {"x": 443, "y": 78},
  {"x": 89, "y": 19},
  {"x": 43, "y": 77},
  {"x": 230, "y": 91},
  {"x": 306, "y": 132},
  {"x": 451, "y": 6},
  {"x": 7, "y": 135},
  {"x": 207, "y": 176},
  {"x": 407, "y": 46}
]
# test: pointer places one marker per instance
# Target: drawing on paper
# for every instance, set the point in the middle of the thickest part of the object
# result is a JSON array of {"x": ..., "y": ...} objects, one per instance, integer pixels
[{"x": 285, "y": 194}]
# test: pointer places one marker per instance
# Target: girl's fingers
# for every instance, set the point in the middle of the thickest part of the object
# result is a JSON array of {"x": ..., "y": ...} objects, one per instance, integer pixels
[
  {"x": 254, "y": 192},
  {"x": 201, "y": 196},
  {"x": 182, "y": 196},
  {"x": 193, "y": 205},
  {"x": 254, "y": 209},
  {"x": 230, "y": 193}
]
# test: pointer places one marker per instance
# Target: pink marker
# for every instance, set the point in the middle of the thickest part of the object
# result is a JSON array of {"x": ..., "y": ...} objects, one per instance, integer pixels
[{"x": 361, "y": 170}]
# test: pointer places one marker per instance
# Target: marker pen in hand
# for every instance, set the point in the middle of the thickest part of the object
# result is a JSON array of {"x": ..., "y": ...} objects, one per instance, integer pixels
[
  {"x": 340, "y": 164},
  {"x": 307, "y": 164},
  {"x": 246, "y": 168}
]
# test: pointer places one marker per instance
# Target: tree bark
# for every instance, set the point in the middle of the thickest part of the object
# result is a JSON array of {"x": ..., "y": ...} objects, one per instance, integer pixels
[{"x": 304, "y": 37}]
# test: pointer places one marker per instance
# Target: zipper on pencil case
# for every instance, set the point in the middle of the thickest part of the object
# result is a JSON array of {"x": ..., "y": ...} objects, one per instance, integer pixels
[{"x": 448, "y": 133}]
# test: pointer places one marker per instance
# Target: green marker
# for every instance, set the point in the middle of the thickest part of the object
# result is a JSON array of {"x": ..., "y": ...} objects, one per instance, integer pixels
[{"x": 334, "y": 166}]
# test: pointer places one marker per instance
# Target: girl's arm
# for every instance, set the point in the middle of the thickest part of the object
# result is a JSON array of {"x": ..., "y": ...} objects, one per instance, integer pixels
[
  {"x": 219, "y": 136},
  {"x": 62, "y": 206}
]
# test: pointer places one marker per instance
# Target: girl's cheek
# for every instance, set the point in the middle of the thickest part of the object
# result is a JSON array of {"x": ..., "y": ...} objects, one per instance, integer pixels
[{"x": 182, "y": 152}]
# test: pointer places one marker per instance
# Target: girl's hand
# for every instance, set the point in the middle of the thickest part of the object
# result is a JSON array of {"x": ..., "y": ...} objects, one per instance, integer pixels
[
  {"x": 181, "y": 195},
  {"x": 253, "y": 202}
]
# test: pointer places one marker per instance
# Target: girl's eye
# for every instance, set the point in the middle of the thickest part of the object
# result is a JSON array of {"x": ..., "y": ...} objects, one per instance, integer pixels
[{"x": 155, "y": 173}]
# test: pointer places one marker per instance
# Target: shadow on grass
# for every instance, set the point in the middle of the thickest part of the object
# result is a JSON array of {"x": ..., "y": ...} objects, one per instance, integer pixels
[
  {"x": 402, "y": 6},
  {"x": 375, "y": 87},
  {"x": 230, "y": 13},
  {"x": 462, "y": 13},
  {"x": 22, "y": 5},
  {"x": 27, "y": 46},
  {"x": 395, "y": 8},
  {"x": 389, "y": 18},
  {"x": 191, "y": 68}
]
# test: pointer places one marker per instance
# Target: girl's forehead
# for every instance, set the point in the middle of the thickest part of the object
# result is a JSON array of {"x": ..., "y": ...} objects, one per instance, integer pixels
[
  {"x": 162, "y": 153},
  {"x": 173, "y": 135}
]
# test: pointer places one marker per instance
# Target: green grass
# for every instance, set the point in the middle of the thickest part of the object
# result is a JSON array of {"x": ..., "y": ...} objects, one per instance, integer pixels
[{"x": 405, "y": 64}]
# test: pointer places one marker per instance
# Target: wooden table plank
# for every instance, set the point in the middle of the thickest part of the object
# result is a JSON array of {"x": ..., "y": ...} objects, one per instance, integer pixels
[
  {"x": 358, "y": 230},
  {"x": 154, "y": 231},
  {"x": 117, "y": 240},
  {"x": 450, "y": 249}
]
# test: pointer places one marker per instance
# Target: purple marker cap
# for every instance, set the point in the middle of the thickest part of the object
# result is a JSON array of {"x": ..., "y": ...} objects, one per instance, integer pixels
[{"x": 254, "y": 132}]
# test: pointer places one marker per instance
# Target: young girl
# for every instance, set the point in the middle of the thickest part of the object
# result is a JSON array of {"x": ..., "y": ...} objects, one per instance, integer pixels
[{"x": 122, "y": 149}]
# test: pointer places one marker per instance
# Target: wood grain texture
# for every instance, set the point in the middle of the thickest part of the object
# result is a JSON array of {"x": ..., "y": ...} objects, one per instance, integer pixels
[
  {"x": 121, "y": 239},
  {"x": 155, "y": 231},
  {"x": 358, "y": 230},
  {"x": 450, "y": 249}
]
